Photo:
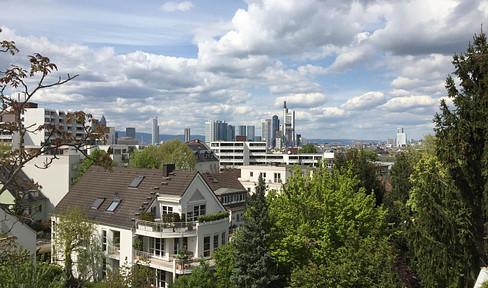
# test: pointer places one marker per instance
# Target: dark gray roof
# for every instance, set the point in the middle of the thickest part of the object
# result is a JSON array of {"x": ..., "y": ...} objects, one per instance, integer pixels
[
  {"x": 114, "y": 184},
  {"x": 229, "y": 184},
  {"x": 201, "y": 151},
  {"x": 21, "y": 184}
]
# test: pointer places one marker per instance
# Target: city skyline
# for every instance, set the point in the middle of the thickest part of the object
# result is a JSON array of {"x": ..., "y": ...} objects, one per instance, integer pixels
[{"x": 349, "y": 69}]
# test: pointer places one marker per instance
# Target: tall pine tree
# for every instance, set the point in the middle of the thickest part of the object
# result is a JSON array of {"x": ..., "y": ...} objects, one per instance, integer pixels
[
  {"x": 462, "y": 138},
  {"x": 253, "y": 265}
]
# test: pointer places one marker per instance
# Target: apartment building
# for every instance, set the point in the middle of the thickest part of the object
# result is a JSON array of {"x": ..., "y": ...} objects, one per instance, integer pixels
[
  {"x": 114, "y": 200},
  {"x": 274, "y": 176},
  {"x": 234, "y": 154}
]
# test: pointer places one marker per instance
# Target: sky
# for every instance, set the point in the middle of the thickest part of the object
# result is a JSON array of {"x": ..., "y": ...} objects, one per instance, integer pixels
[{"x": 350, "y": 69}]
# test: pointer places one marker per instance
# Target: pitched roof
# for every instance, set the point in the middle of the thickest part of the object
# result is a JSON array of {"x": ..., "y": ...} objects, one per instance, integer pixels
[
  {"x": 115, "y": 184},
  {"x": 201, "y": 151},
  {"x": 21, "y": 184},
  {"x": 217, "y": 181}
]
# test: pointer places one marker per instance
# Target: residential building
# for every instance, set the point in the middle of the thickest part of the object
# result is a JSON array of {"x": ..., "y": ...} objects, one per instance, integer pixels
[
  {"x": 233, "y": 154},
  {"x": 130, "y": 132},
  {"x": 114, "y": 201},
  {"x": 155, "y": 131},
  {"x": 187, "y": 134},
  {"x": 206, "y": 160},
  {"x": 266, "y": 132},
  {"x": 289, "y": 138},
  {"x": 23, "y": 236},
  {"x": 274, "y": 176}
]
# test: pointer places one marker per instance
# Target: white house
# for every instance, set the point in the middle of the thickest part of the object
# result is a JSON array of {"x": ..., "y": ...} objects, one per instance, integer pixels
[
  {"x": 114, "y": 200},
  {"x": 274, "y": 176},
  {"x": 24, "y": 236}
]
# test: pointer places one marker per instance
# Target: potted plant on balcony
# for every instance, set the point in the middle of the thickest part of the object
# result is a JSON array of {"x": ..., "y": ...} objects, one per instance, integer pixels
[
  {"x": 183, "y": 257},
  {"x": 137, "y": 246}
]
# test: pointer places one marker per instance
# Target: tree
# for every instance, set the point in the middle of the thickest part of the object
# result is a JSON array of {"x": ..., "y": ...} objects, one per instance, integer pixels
[
  {"x": 224, "y": 264},
  {"x": 365, "y": 170},
  {"x": 254, "y": 265},
  {"x": 308, "y": 148},
  {"x": 200, "y": 277},
  {"x": 170, "y": 152},
  {"x": 462, "y": 139},
  {"x": 439, "y": 231},
  {"x": 97, "y": 157},
  {"x": 76, "y": 242},
  {"x": 328, "y": 233},
  {"x": 16, "y": 80}
]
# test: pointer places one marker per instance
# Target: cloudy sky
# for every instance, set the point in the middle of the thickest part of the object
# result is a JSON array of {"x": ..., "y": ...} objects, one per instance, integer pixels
[{"x": 350, "y": 69}]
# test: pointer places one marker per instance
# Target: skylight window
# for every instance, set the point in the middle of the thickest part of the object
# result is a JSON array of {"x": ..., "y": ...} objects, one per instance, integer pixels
[
  {"x": 97, "y": 203},
  {"x": 113, "y": 205},
  {"x": 135, "y": 183}
]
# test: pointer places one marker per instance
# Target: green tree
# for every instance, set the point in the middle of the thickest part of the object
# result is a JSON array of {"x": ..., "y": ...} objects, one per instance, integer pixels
[
  {"x": 200, "y": 277},
  {"x": 75, "y": 239},
  {"x": 365, "y": 170},
  {"x": 329, "y": 233},
  {"x": 308, "y": 148},
  {"x": 439, "y": 231},
  {"x": 170, "y": 152},
  {"x": 98, "y": 158},
  {"x": 254, "y": 265},
  {"x": 224, "y": 264},
  {"x": 462, "y": 140}
]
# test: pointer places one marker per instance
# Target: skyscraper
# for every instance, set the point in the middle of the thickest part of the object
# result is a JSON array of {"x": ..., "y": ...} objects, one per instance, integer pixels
[
  {"x": 217, "y": 130},
  {"x": 266, "y": 132},
  {"x": 241, "y": 130},
  {"x": 289, "y": 137},
  {"x": 275, "y": 130},
  {"x": 155, "y": 131},
  {"x": 401, "y": 138},
  {"x": 251, "y": 132},
  {"x": 187, "y": 134},
  {"x": 130, "y": 132}
]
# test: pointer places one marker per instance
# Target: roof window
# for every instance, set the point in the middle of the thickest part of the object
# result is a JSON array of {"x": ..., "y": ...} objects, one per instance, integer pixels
[
  {"x": 97, "y": 203},
  {"x": 113, "y": 205},
  {"x": 135, "y": 183}
]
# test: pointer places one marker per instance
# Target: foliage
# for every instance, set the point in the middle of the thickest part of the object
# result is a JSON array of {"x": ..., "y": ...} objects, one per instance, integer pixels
[
  {"x": 254, "y": 265},
  {"x": 308, "y": 148},
  {"x": 365, "y": 170},
  {"x": 17, "y": 269},
  {"x": 462, "y": 140},
  {"x": 224, "y": 264},
  {"x": 146, "y": 216},
  {"x": 440, "y": 229},
  {"x": 200, "y": 277},
  {"x": 137, "y": 275},
  {"x": 213, "y": 217},
  {"x": 75, "y": 236},
  {"x": 170, "y": 152},
  {"x": 370, "y": 155},
  {"x": 98, "y": 158},
  {"x": 329, "y": 233}
]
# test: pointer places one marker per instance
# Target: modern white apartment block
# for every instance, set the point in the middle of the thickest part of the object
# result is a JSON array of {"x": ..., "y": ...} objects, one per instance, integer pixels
[
  {"x": 234, "y": 154},
  {"x": 115, "y": 200}
]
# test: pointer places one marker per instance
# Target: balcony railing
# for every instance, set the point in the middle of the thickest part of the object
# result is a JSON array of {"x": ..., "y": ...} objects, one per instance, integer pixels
[
  {"x": 114, "y": 251},
  {"x": 165, "y": 227}
]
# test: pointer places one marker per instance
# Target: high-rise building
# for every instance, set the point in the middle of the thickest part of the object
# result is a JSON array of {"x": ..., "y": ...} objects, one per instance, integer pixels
[
  {"x": 266, "y": 132},
  {"x": 251, "y": 133},
  {"x": 187, "y": 135},
  {"x": 155, "y": 131},
  {"x": 130, "y": 132},
  {"x": 241, "y": 130},
  {"x": 289, "y": 137},
  {"x": 217, "y": 130},
  {"x": 401, "y": 138},
  {"x": 275, "y": 130}
]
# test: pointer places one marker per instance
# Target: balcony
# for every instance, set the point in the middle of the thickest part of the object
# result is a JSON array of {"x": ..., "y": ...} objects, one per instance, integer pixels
[
  {"x": 167, "y": 263},
  {"x": 114, "y": 251},
  {"x": 165, "y": 230}
]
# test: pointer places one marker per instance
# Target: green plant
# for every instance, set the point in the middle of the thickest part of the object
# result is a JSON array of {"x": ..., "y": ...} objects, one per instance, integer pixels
[
  {"x": 137, "y": 244},
  {"x": 147, "y": 216},
  {"x": 213, "y": 217}
]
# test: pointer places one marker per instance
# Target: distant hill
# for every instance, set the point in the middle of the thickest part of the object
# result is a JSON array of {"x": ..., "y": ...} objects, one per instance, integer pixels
[
  {"x": 342, "y": 141},
  {"x": 146, "y": 138}
]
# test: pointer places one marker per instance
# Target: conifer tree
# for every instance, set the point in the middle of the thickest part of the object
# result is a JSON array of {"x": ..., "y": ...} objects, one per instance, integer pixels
[
  {"x": 253, "y": 265},
  {"x": 462, "y": 135}
]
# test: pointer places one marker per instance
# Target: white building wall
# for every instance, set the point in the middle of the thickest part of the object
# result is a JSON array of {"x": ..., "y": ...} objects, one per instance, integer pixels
[{"x": 25, "y": 237}]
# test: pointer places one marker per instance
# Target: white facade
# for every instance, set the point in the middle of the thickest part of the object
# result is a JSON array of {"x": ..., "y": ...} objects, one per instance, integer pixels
[
  {"x": 234, "y": 154},
  {"x": 25, "y": 237},
  {"x": 401, "y": 138},
  {"x": 274, "y": 176}
]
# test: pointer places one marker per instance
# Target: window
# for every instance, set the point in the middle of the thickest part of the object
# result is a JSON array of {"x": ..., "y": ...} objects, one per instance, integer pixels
[
  {"x": 38, "y": 208},
  {"x": 263, "y": 174},
  {"x": 216, "y": 242},
  {"x": 277, "y": 177},
  {"x": 167, "y": 209},
  {"x": 113, "y": 205},
  {"x": 116, "y": 239},
  {"x": 161, "y": 275},
  {"x": 176, "y": 246},
  {"x": 156, "y": 246},
  {"x": 223, "y": 238},
  {"x": 198, "y": 210},
  {"x": 135, "y": 183},
  {"x": 185, "y": 243},
  {"x": 97, "y": 203},
  {"x": 104, "y": 240},
  {"x": 206, "y": 246}
]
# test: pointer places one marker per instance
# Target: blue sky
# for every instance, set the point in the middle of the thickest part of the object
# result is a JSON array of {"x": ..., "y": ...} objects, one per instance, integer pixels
[{"x": 350, "y": 69}]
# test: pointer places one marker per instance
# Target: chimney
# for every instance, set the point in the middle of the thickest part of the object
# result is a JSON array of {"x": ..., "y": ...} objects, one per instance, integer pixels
[{"x": 168, "y": 168}]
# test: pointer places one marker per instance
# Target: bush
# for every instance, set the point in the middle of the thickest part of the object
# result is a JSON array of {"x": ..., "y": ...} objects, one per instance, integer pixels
[{"x": 213, "y": 217}]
